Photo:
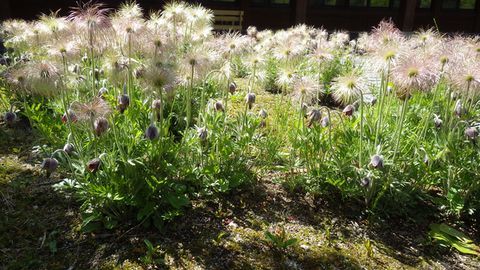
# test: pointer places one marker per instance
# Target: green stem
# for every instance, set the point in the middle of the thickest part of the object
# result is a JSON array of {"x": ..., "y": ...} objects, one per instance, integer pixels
[
  {"x": 400, "y": 127},
  {"x": 361, "y": 132},
  {"x": 189, "y": 96}
]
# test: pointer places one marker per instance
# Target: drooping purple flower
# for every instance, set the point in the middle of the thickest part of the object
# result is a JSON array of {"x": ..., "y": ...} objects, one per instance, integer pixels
[
  {"x": 152, "y": 132},
  {"x": 49, "y": 165},
  {"x": 100, "y": 126},
  {"x": 376, "y": 162},
  {"x": 348, "y": 110},
  {"x": 93, "y": 165}
]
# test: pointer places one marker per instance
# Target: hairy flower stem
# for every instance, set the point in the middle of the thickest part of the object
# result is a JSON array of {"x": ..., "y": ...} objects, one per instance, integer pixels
[
  {"x": 251, "y": 83},
  {"x": 400, "y": 127},
  {"x": 448, "y": 112},
  {"x": 129, "y": 78},
  {"x": 117, "y": 142},
  {"x": 319, "y": 81},
  {"x": 383, "y": 93},
  {"x": 429, "y": 114},
  {"x": 189, "y": 96},
  {"x": 92, "y": 57},
  {"x": 470, "y": 97},
  {"x": 360, "y": 163}
]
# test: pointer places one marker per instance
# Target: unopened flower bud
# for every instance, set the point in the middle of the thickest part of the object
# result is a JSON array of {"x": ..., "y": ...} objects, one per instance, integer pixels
[
  {"x": 218, "y": 106},
  {"x": 314, "y": 116},
  {"x": 365, "y": 182},
  {"x": 202, "y": 133},
  {"x": 250, "y": 99},
  {"x": 438, "y": 122},
  {"x": 232, "y": 88},
  {"x": 100, "y": 126},
  {"x": 139, "y": 72},
  {"x": 426, "y": 159},
  {"x": 10, "y": 118},
  {"x": 263, "y": 113},
  {"x": 459, "y": 108},
  {"x": 93, "y": 165},
  {"x": 102, "y": 92},
  {"x": 123, "y": 102},
  {"x": 471, "y": 133},
  {"x": 325, "y": 121},
  {"x": 262, "y": 124},
  {"x": 304, "y": 108},
  {"x": 71, "y": 115},
  {"x": 68, "y": 148},
  {"x": 157, "y": 105}
]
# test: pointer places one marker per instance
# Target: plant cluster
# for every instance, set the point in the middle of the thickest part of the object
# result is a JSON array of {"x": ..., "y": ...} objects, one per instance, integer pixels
[{"x": 149, "y": 113}]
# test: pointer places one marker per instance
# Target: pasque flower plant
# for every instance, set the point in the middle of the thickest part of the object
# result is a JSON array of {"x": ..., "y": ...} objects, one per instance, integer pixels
[{"x": 155, "y": 110}]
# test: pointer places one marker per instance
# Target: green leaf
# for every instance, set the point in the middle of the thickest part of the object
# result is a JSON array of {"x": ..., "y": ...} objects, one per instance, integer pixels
[
  {"x": 291, "y": 241},
  {"x": 451, "y": 237},
  {"x": 178, "y": 200}
]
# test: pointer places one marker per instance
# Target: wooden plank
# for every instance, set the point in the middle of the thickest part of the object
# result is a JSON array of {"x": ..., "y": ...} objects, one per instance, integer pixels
[
  {"x": 5, "y": 11},
  {"x": 408, "y": 14},
  {"x": 227, "y": 19},
  {"x": 301, "y": 11},
  {"x": 228, "y": 12},
  {"x": 476, "y": 26},
  {"x": 228, "y": 27}
]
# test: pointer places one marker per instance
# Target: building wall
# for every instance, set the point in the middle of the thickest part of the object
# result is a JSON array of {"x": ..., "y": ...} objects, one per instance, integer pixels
[{"x": 407, "y": 16}]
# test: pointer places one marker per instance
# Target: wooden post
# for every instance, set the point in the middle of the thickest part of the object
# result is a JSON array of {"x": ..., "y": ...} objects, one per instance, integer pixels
[
  {"x": 408, "y": 14},
  {"x": 436, "y": 11},
  {"x": 300, "y": 11},
  {"x": 5, "y": 11},
  {"x": 476, "y": 26},
  {"x": 245, "y": 6}
]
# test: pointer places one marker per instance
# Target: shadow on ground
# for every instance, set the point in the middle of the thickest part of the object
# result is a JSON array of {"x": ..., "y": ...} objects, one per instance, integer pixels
[{"x": 39, "y": 229}]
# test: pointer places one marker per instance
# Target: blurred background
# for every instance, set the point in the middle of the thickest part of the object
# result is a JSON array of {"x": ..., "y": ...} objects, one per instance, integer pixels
[{"x": 350, "y": 15}]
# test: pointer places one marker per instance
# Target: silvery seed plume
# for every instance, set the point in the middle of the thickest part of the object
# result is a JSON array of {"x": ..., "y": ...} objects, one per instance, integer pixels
[{"x": 91, "y": 110}]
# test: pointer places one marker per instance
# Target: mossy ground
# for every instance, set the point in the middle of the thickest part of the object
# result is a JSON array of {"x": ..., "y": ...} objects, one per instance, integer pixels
[{"x": 40, "y": 228}]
